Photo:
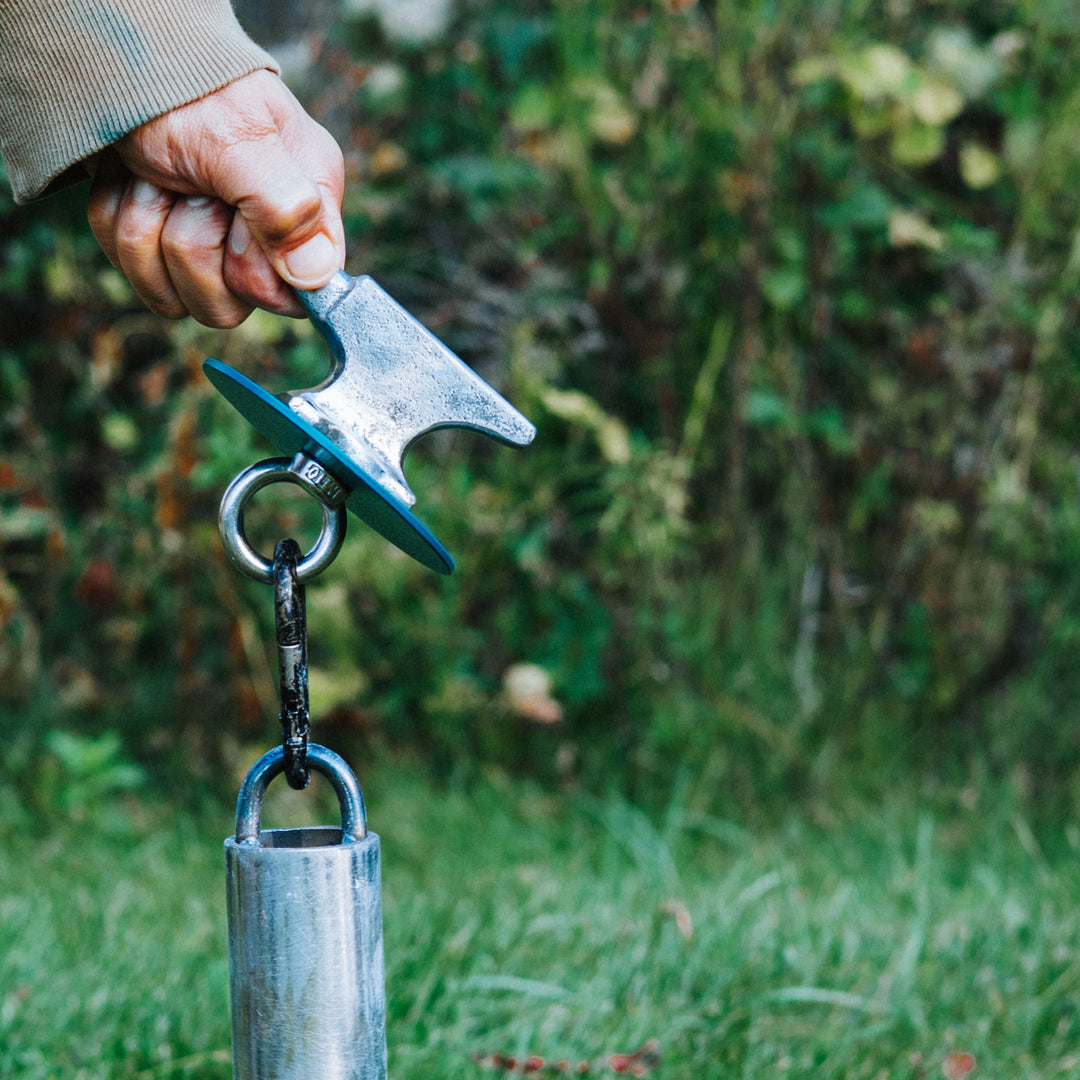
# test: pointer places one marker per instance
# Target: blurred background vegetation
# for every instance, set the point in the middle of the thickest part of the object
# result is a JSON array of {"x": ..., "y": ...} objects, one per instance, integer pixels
[{"x": 790, "y": 291}]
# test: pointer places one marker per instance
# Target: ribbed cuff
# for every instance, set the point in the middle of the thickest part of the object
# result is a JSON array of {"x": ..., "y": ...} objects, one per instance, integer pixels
[{"x": 75, "y": 75}]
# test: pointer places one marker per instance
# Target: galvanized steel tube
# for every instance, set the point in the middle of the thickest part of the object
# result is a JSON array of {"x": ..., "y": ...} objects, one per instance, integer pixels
[{"x": 305, "y": 938}]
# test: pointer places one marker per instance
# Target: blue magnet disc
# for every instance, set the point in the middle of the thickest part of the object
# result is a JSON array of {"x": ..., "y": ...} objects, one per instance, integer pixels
[{"x": 388, "y": 516}]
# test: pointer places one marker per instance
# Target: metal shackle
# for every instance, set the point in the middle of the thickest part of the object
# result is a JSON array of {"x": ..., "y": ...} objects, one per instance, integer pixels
[{"x": 331, "y": 765}]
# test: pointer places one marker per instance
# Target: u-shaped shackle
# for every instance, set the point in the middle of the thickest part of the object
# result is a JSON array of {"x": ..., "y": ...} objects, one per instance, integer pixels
[{"x": 331, "y": 765}]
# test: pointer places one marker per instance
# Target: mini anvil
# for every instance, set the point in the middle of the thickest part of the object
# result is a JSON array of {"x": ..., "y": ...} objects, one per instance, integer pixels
[{"x": 392, "y": 381}]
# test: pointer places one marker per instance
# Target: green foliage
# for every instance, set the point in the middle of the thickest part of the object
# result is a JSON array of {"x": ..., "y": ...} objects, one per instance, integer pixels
[
  {"x": 82, "y": 772},
  {"x": 789, "y": 291}
]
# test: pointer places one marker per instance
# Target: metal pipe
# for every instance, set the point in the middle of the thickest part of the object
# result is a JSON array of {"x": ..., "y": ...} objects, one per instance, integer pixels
[{"x": 305, "y": 938}]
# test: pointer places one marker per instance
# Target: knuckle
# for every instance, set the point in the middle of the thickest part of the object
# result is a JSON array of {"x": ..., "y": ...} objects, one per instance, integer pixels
[
  {"x": 219, "y": 308},
  {"x": 256, "y": 284},
  {"x": 168, "y": 307},
  {"x": 136, "y": 232},
  {"x": 174, "y": 244},
  {"x": 178, "y": 241},
  {"x": 230, "y": 320}
]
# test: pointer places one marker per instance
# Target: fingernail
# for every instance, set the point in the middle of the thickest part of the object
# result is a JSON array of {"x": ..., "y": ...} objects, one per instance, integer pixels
[
  {"x": 197, "y": 200},
  {"x": 142, "y": 191},
  {"x": 239, "y": 235},
  {"x": 312, "y": 261}
]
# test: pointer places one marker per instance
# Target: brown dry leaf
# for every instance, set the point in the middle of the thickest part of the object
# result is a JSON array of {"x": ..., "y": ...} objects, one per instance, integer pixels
[
  {"x": 684, "y": 921},
  {"x": 154, "y": 384},
  {"x": 97, "y": 586},
  {"x": 528, "y": 692},
  {"x": 957, "y": 1065},
  {"x": 388, "y": 158}
]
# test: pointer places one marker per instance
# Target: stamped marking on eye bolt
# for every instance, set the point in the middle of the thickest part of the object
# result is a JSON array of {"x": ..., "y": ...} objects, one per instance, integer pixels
[{"x": 315, "y": 479}]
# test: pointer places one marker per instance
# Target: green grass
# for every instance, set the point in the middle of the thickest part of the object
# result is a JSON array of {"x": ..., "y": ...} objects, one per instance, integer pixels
[{"x": 867, "y": 944}]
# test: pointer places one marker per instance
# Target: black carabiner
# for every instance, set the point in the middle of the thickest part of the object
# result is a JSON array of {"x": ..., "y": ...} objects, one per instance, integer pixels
[{"x": 290, "y": 620}]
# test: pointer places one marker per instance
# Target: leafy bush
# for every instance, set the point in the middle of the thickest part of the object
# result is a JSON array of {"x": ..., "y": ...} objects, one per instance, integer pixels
[{"x": 789, "y": 291}]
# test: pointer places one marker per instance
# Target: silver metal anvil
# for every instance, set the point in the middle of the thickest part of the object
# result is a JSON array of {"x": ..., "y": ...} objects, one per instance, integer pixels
[{"x": 392, "y": 381}]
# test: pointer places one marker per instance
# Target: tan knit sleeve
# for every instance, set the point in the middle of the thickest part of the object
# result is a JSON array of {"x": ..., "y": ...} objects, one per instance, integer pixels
[{"x": 75, "y": 75}]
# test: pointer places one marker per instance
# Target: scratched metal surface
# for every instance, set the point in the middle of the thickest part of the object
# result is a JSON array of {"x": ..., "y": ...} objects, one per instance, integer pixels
[
  {"x": 306, "y": 957},
  {"x": 393, "y": 380}
]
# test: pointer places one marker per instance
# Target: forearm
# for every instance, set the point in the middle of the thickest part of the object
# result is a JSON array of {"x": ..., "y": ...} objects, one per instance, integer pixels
[{"x": 75, "y": 75}]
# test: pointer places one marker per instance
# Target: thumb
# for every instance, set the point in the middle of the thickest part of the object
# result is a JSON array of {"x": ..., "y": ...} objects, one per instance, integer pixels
[{"x": 291, "y": 216}]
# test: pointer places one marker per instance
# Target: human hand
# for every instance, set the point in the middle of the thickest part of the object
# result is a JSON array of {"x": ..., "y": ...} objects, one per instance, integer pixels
[{"x": 219, "y": 206}]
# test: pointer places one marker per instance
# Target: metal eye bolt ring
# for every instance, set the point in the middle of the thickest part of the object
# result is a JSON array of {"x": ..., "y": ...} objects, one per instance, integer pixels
[{"x": 231, "y": 524}]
